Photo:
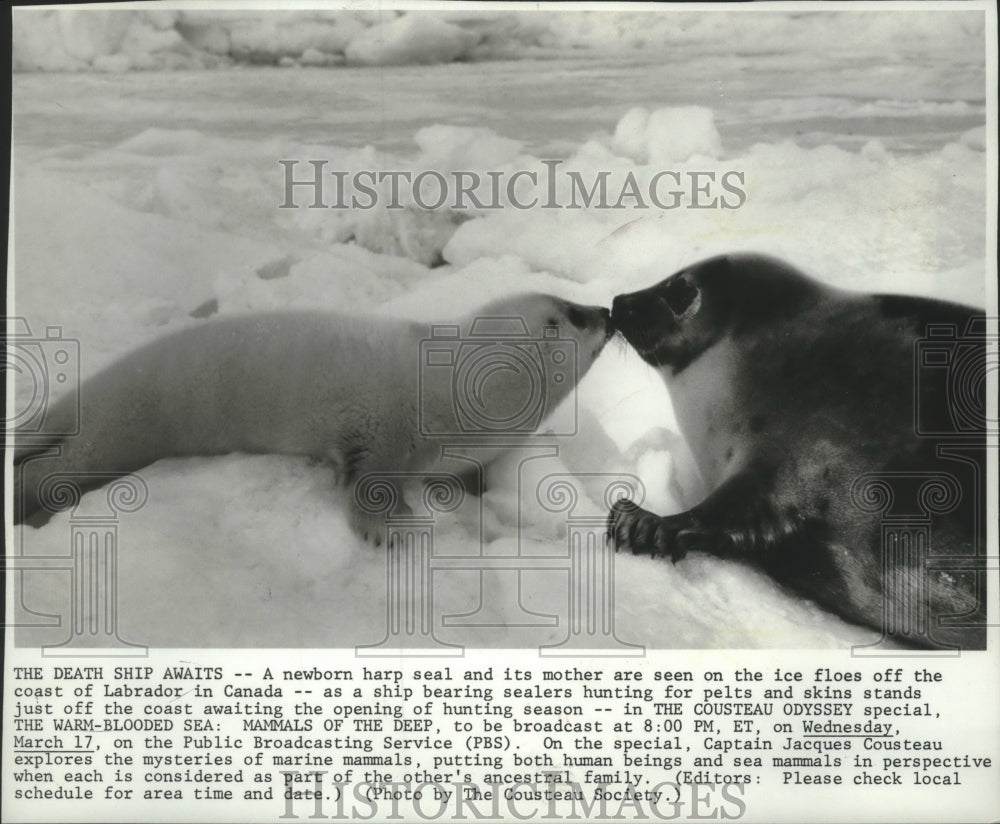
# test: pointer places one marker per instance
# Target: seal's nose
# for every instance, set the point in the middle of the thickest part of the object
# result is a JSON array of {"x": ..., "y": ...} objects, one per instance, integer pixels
[
  {"x": 609, "y": 325},
  {"x": 620, "y": 308},
  {"x": 588, "y": 317}
]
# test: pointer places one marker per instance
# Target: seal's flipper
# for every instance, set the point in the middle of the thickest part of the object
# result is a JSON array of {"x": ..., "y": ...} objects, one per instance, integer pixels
[
  {"x": 736, "y": 521},
  {"x": 32, "y": 463}
]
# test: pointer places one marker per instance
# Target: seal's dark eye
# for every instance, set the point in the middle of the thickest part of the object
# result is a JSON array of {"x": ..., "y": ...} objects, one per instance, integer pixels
[
  {"x": 575, "y": 316},
  {"x": 680, "y": 294}
]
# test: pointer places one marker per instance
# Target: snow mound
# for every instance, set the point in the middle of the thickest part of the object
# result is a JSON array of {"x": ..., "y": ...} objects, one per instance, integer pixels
[
  {"x": 670, "y": 135},
  {"x": 412, "y": 38}
]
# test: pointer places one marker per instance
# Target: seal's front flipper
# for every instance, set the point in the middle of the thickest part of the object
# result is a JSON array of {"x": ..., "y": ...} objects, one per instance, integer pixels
[
  {"x": 737, "y": 520},
  {"x": 644, "y": 533}
]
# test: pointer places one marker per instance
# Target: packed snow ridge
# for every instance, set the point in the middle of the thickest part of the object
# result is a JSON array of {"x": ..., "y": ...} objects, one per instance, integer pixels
[{"x": 116, "y": 40}]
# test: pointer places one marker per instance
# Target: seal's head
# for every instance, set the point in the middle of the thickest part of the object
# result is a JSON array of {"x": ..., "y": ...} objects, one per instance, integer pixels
[
  {"x": 513, "y": 361},
  {"x": 545, "y": 320},
  {"x": 672, "y": 323}
]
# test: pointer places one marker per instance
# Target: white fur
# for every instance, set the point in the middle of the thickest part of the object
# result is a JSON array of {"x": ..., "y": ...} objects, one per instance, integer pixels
[{"x": 350, "y": 391}]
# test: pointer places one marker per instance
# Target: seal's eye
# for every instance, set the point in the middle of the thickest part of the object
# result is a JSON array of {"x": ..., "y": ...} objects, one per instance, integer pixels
[
  {"x": 575, "y": 316},
  {"x": 682, "y": 297}
]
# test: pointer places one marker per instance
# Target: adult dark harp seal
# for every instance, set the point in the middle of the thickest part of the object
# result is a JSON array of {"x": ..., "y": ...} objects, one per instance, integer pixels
[{"x": 794, "y": 395}]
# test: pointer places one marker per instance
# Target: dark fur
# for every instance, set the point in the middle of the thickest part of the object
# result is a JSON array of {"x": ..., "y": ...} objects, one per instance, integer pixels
[{"x": 820, "y": 388}]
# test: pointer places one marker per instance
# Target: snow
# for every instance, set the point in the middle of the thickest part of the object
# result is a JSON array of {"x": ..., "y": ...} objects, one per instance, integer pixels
[{"x": 143, "y": 197}]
